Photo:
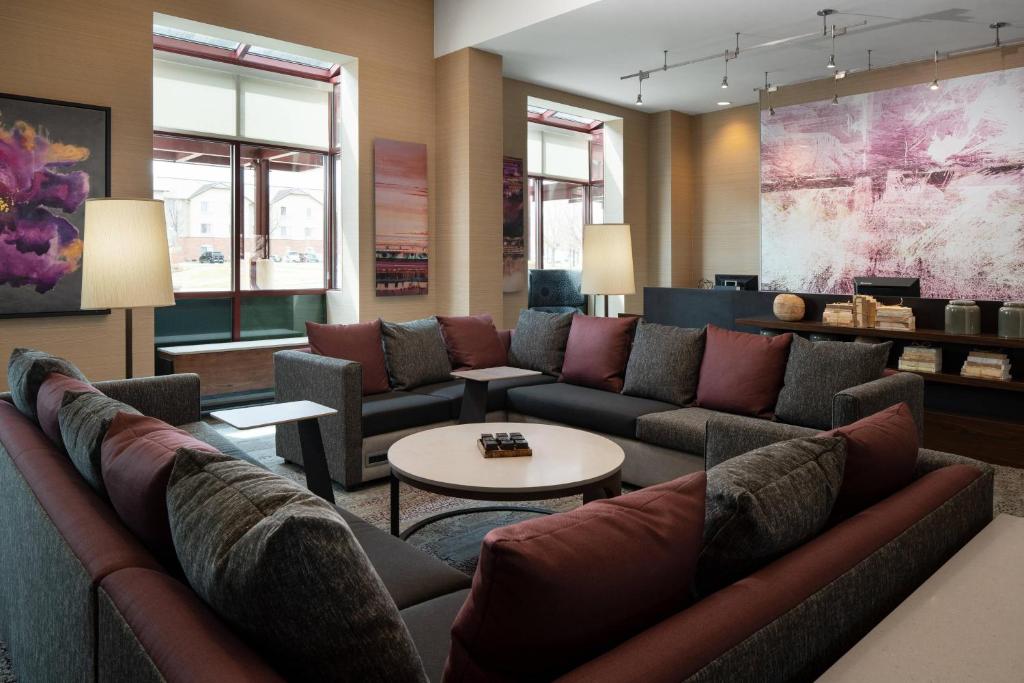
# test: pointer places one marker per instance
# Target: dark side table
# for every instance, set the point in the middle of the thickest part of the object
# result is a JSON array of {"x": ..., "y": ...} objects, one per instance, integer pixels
[{"x": 474, "y": 396}]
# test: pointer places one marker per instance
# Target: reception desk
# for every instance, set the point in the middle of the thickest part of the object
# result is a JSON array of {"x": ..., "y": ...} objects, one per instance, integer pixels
[{"x": 983, "y": 419}]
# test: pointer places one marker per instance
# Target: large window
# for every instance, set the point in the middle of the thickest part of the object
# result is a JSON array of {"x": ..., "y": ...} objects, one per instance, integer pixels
[
  {"x": 566, "y": 185},
  {"x": 245, "y": 162}
]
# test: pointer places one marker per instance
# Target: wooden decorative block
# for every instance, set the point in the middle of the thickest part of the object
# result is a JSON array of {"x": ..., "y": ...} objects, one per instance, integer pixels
[{"x": 503, "y": 445}]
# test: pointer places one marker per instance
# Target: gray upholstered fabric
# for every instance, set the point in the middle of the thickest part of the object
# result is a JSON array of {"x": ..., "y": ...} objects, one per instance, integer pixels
[
  {"x": 497, "y": 390},
  {"x": 410, "y": 575},
  {"x": 430, "y": 625},
  {"x": 84, "y": 419},
  {"x": 46, "y": 604},
  {"x": 682, "y": 430},
  {"x": 26, "y": 370},
  {"x": 732, "y": 435},
  {"x": 208, "y": 434},
  {"x": 665, "y": 363},
  {"x": 171, "y": 398},
  {"x": 282, "y": 567},
  {"x": 929, "y": 460},
  {"x": 539, "y": 341},
  {"x": 858, "y": 402},
  {"x": 820, "y": 629},
  {"x": 121, "y": 656},
  {"x": 817, "y": 371},
  {"x": 583, "y": 407},
  {"x": 415, "y": 353},
  {"x": 552, "y": 288},
  {"x": 764, "y": 503},
  {"x": 395, "y": 410},
  {"x": 331, "y": 382}
]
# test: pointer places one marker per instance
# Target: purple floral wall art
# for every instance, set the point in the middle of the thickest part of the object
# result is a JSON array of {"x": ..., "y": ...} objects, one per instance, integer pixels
[
  {"x": 53, "y": 156},
  {"x": 902, "y": 182}
]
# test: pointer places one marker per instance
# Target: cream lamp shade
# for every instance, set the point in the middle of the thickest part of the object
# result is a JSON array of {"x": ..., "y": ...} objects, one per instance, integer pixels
[
  {"x": 607, "y": 260},
  {"x": 125, "y": 260}
]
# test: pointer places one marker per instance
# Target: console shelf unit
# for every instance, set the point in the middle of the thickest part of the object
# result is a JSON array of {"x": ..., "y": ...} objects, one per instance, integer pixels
[{"x": 923, "y": 335}]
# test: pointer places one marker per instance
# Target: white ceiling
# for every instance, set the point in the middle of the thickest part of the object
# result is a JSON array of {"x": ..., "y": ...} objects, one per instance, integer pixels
[{"x": 586, "y": 50}]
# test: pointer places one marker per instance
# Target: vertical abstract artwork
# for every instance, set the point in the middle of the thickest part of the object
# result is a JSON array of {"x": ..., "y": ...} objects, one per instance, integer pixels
[
  {"x": 53, "y": 156},
  {"x": 513, "y": 249},
  {"x": 903, "y": 182},
  {"x": 401, "y": 217}
]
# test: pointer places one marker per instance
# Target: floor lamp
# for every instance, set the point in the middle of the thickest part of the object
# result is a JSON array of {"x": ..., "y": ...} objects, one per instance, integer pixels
[
  {"x": 607, "y": 261},
  {"x": 125, "y": 261}
]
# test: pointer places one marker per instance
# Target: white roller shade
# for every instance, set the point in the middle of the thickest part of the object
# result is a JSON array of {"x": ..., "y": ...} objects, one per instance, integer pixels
[
  {"x": 192, "y": 98},
  {"x": 278, "y": 111}
]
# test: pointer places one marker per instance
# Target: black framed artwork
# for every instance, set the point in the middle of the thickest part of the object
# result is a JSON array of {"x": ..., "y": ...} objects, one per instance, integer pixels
[{"x": 53, "y": 156}]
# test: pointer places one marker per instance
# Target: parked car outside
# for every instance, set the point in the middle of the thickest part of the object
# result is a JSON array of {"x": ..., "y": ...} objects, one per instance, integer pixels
[{"x": 211, "y": 257}]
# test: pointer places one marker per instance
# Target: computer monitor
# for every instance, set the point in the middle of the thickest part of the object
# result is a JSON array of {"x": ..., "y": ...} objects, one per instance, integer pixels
[
  {"x": 745, "y": 282},
  {"x": 887, "y": 286}
]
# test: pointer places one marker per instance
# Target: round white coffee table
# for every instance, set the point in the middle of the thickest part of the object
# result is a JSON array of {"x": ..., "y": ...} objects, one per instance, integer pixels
[{"x": 446, "y": 460}]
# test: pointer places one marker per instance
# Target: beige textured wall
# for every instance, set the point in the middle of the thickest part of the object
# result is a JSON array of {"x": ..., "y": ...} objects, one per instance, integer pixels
[
  {"x": 635, "y": 170},
  {"x": 670, "y": 195},
  {"x": 100, "y": 52},
  {"x": 727, "y": 156}
]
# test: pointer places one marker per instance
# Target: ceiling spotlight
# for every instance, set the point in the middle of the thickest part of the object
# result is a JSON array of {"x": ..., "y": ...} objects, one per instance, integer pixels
[
  {"x": 831, "y": 62},
  {"x": 639, "y": 100},
  {"x": 771, "y": 110},
  {"x": 641, "y": 77},
  {"x": 725, "y": 76},
  {"x": 935, "y": 81},
  {"x": 832, "y": 57},
  {"x": 835, "y": 99},
  {"x": 724, "y": 103},
  {"x": 725, "y": 82}
]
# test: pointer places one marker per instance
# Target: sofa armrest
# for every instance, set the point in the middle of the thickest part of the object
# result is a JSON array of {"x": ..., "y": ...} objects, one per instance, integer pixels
[
  {"x": 929, "y": 461},
  {"x": 730, "y": 435},
  {"x": 858, "y": 402},
  {"x": 171, "y": 398},
  {"x": 331, "y": 382}
]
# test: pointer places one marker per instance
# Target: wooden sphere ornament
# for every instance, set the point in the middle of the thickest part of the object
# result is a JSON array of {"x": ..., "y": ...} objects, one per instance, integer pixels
[{"x": 788, "y": 307}]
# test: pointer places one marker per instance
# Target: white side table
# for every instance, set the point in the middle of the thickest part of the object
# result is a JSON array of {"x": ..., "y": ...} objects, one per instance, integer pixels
[{"x": 305, "y": 415}]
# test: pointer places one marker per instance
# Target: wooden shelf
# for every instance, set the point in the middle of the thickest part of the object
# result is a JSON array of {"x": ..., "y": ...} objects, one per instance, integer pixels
[
  {"x": 921, "y": 335},
  {"x": 954, "y": 378}
]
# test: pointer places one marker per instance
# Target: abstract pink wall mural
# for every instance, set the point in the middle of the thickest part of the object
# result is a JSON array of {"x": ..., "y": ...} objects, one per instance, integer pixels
[{"x": 902, "y": 182}]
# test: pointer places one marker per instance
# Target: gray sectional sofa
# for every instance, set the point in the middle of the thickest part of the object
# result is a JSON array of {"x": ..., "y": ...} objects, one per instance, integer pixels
[{"x": 661, "y": 440}]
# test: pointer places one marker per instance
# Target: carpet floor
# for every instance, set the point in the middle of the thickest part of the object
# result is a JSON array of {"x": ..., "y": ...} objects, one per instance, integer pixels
[{"x": 456, "y": 540}]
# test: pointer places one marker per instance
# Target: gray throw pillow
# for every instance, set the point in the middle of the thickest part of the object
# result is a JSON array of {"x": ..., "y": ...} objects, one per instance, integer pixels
[
  {"x": 26, "y": 371},
  {"x": 415, "y": 353},
  {"x": 764, "y": 503},
  {"x": 665, "y": 363},
  {"x": 539, "y": 340},
  {"x": 84, "y": 419},
  {"x": 283, "y": 568},
  {"x": 817, "y": 371}
]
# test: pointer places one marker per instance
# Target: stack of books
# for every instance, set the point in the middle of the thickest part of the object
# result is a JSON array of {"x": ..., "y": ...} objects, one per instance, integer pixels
[
  {"x": 921, "y": 359},
  {"x": 987, "y": 365},
  {"x": 838, "y": 315},
  {"x": 865, "y": 310},
  {"x": 895, "y": 318}
]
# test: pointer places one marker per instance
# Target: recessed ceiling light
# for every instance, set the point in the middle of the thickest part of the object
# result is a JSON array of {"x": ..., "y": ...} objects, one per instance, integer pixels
[{"x": 723, "y": 103}]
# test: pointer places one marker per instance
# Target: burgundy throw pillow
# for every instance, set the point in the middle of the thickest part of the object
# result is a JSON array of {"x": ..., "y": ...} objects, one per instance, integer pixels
[
  {"x": 881, "y": 454},
  {"x": 742, "y": 373},
  {"x": 136, "y": 459},
  {"x": 567, "y": 587},
  {"x": 597, "y": 352},
  {"x": 51, "y": 397},
  {"x": 473, "y": 341},
  {"x": 359, "y": 342}
]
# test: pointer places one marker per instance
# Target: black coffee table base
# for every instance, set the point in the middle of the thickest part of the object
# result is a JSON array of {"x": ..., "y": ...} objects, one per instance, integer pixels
[{"x": 609, "y": 487}]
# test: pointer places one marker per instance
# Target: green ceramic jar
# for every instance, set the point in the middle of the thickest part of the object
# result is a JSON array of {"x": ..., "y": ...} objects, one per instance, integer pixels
[
  {"x": 1011, "y": 320},
  {"x": 963, "y": 317}
]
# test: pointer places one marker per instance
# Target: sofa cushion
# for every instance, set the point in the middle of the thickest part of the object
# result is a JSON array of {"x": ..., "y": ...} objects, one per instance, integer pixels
[
  {"x": 817, "y": 371},
  {"x": 410, "y": 575},
  {"x": 593, "y": 409},
  {"x": 766, "y": 502},
  {"x": 472, "y": 341},
  {"x": 27, "y": 370},
  {"x": 539, "y": 341},
  {"x": 497, "y": 390},
  {"x": 665, "y": 363},
  {"x": 136, "y": 458},
  {"x": 567, "y": 587},
  {"x": 284, "y": 569},
  {"x": 50, "y": 399},
  {"x": 681, "y": 430},
  {"x": 209, "y": 435},
  {"x": 359, "y": 342},
  {"x": 742, "y": 373},
  {"x": 84, "y": 419},
  {"x": 395, "y": 410},
  {"x": 415, "y": 353},
  {"x": 430, "y": 625},
  {"x": 881, "y": 455},
  {"x": 596, "y": 352}
]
